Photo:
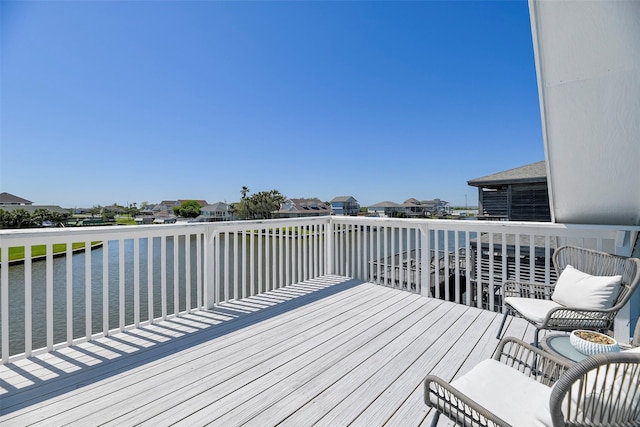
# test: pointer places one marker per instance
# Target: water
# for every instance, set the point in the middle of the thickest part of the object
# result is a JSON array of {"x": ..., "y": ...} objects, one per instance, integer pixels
[{"x": 78, "y": 291}]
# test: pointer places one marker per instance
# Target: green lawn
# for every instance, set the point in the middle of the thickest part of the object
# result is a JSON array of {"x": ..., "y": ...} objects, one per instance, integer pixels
[
  {"x": 17, "y": 253},
  {"x": 126, "y": 221}
]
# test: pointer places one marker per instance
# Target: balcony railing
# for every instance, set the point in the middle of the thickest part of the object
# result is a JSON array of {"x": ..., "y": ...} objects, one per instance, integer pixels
[{"x": 93, "y": 282}]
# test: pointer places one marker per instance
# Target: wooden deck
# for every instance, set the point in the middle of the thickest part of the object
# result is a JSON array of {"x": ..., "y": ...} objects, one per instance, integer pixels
[{"x": 330, "y": 351}]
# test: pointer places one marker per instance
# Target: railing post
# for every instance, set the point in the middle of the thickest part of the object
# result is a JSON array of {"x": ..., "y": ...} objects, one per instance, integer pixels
[
  {"x": 209, "y": 271},
  {"x": 628, "y": 315},
  {"x": 425, "y": 250},
  {"x": 329, "y": 246}
]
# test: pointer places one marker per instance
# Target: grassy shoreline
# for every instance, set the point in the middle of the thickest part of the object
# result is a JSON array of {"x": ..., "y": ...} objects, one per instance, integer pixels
[{"x": 38, "y": 251}]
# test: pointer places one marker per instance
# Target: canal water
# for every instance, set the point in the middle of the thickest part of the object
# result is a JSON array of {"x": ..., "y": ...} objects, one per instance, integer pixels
[{"x": 17, "y": 292}]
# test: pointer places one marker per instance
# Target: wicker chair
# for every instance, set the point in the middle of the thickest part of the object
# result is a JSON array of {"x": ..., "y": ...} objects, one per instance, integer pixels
[
  {"x": 532, "y": 301},
  {"x": 522, "y": 385}
]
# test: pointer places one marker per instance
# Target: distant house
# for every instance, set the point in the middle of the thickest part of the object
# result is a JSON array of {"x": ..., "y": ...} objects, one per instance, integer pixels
[
  {"x": 164, "y": 208},
  {"x": 7, "y": 199},
  {"x": 144, "y": 219},
  {"x": 345, "y": 205},
  {"x": 410, "y": 208},
  {"x": 298, "y": 208},
  {"x": 385, "y": 209},
  {"x": 414, "y": 208},
  {"x": 216, "y": 212},
  {"x": 519, "y": 194},
  {"x": 118, "y": 210}
]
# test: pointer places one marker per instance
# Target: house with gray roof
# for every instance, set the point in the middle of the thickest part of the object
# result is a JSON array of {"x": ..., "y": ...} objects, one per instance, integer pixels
[
  {"x": 414, "y": 208},
  {"x": 216, "y": 212},
  {"x": 299, "y": 208},
  {"x": 164, "y": 208},
  {"x": 518, "y": 194},
  {"x": 410, "y": 208},
  {"x": 9, "y": 199},
  {"x": 11, "y": 203},
  {"x": 385, "y": 209},
  {"x": 345, "y": 205}
]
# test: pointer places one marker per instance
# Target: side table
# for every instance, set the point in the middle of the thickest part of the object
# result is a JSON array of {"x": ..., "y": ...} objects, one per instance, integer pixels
[{"x": 560, "y": 345}]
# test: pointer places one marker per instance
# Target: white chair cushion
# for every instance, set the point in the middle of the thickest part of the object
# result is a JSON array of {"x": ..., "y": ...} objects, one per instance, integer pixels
[
  {"x": 506, "y": 392},
  {"x": 532, "y": 309},
  {"x": 581, "y": 290}
]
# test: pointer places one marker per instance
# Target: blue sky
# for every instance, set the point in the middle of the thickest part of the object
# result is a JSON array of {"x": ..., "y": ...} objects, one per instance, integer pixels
[{"x": 128, "y": 101}]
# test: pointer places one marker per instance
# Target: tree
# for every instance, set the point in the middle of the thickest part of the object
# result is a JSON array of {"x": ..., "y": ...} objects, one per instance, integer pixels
[
  {"x": 108, "y": 215},
  {"x": 4, "y": 219},
  {"x": 241, "y": 209},
  {"x": 132, "y": 210},
  {"x": 40, "y": 215},
  {"x": 18, "y": 218},
  {"x": 259, "y": 205},
  {"x": 188, "y": 209}
]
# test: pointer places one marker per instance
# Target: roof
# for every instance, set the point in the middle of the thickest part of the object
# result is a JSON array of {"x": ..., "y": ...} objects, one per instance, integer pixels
[
  {"x": 343, "y": 199},
  {"x": 385, "y": 204},
  {"x": 303, "y": 205},
  {"x": 10, "y": 199},
  {"x": 532, "y": 173},
  {"x": 319, "y": 204},
  {"x": 216, "y": 207}
]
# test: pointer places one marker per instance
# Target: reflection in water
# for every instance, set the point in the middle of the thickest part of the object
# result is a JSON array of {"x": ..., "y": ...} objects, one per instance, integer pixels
[{"x": 78, "y": 291}]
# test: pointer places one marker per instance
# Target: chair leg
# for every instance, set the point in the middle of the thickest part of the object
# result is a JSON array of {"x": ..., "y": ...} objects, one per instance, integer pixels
[
  {"x": 535, "y": 338},
  {"x": 504, "y": 320},
  {"x": 434, "y": 421}
]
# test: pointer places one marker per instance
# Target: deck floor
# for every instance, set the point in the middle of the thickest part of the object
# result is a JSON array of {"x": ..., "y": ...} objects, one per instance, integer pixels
[{"x": 330, "y": 351}]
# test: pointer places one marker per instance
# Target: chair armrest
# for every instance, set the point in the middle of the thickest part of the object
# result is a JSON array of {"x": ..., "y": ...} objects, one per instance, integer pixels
[
  {"x": 568, "y": 318},
  {"x": 457, "y": 406},
  {"x": 617, "y": 389},
  {"x": 536, "y": 363},
  {"x": 512, "y": 288}
]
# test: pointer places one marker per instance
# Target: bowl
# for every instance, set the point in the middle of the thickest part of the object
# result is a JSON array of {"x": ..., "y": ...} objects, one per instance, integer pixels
[{"x": 591, "y": 342}]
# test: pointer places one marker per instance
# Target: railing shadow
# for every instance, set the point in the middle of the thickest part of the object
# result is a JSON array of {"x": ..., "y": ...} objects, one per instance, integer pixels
[{"x": 37, "y": 379}]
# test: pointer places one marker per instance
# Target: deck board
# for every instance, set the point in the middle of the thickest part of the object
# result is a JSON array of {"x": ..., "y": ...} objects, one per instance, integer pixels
[
  {"x": 329, "y": 358},
  {"x": 330, "y": 351}
]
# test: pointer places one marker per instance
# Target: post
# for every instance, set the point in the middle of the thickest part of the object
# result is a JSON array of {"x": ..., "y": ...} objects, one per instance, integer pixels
[
  {"x": 626, "y": 317},
  {"x": 209, "y": 271},
  {"x": 329, "y": 246},
  {"x": 425, "y": 263}
]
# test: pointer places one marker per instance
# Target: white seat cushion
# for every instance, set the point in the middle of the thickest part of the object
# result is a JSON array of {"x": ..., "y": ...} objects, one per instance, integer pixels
[
  {"x": 506, "y": 392},
  {"x": 581, "y": 290},
  {"x": 532, "y": 309}
]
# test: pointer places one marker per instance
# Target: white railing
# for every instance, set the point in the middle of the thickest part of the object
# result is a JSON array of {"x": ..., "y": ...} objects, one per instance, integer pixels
[{"x": 136, "y": 275}]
